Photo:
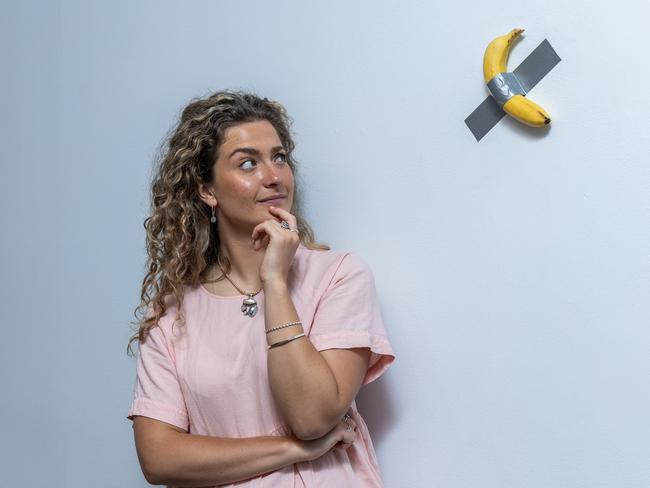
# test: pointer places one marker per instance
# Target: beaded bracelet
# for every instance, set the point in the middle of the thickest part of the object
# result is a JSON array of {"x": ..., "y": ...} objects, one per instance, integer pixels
[
  {"x": 281, "y": 343},
  {"x": 283, "y": 326}
]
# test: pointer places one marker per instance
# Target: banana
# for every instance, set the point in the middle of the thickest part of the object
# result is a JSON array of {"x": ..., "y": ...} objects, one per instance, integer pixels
[{"x": 495, "y": 61}]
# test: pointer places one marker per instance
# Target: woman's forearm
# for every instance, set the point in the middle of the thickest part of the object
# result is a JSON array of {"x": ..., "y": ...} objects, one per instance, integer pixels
[
  {"x": 302, "y": 383},
  {"x": 190, "y": 460}
]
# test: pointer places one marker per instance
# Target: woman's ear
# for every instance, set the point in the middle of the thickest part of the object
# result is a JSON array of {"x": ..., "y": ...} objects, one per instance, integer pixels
[{"x": 207, "y": 195}]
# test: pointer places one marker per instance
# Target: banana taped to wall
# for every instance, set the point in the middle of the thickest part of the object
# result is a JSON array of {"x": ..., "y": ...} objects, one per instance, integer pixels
[{"x": 505, "y": 87}]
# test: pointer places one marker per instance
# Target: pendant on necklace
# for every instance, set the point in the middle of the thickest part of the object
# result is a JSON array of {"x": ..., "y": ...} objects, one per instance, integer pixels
[{"x": 249, "y": 306}]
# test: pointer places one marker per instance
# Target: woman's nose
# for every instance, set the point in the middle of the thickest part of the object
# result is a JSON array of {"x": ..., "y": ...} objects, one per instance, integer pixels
[{"x": 270, "y": 173}]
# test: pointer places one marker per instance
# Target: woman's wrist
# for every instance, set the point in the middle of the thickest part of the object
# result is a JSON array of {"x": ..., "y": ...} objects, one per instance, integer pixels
[
  {"x": 277, "y": 293},
  {"x": 295, "y": 449},
  {"x": 275, "y": 283}
]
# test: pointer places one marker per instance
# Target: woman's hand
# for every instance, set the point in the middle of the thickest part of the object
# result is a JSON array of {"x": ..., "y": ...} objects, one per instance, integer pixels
[
  {"x": 280, "y": 245},
  {"x": 337, "y": 438}
]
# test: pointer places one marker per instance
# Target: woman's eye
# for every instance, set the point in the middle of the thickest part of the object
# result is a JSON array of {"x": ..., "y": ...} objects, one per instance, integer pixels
[
  {"x": 246, "y": 161},
  {"x": 282, "y": 156}
]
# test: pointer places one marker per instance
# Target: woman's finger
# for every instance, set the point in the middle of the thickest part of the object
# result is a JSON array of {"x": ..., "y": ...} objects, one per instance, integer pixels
[
  {"x": 264, "y": 241},
  {"x": 267, "y": 227},
  {"x": 283, "y": 214}
]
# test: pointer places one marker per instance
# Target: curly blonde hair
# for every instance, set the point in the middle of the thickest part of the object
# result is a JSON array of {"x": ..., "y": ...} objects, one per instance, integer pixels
[{"x": 180, "y": 240}]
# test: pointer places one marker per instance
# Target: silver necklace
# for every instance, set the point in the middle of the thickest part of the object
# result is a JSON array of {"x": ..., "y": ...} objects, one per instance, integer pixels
[{"x": 249, "y": 305}]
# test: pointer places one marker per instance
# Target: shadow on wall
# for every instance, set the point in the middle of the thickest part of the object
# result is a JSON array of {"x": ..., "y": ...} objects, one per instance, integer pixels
[{"x": 374, "y": 403}]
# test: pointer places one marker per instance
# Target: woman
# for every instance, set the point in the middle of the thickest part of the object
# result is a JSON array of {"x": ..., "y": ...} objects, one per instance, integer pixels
[{"x": 252, "y": 378}]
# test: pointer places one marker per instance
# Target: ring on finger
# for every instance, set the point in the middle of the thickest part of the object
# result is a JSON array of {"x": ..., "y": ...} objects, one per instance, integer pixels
[{"x": 285, "y": 225}]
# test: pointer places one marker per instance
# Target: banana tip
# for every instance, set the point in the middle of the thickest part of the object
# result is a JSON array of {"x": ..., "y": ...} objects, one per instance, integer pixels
[{"x": 514, "y": 34}]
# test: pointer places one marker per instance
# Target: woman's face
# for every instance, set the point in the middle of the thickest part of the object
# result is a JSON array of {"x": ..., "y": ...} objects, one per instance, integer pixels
[{"x": 251, "y": 166}]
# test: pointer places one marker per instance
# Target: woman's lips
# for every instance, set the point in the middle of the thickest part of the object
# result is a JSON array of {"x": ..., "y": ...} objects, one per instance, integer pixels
[{"x": 274, "y": 201}]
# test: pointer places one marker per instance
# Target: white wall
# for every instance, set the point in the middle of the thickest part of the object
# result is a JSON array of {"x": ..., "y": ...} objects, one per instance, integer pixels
[{"x": 513, "y": 273}]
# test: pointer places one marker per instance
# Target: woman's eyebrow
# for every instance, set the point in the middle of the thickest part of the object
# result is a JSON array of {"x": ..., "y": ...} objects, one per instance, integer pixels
[
  {"x": 253, "y": 151},
  {"x": 245, "y": 150}
]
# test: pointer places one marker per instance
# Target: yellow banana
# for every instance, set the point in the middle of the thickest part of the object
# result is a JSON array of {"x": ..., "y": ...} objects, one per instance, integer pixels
[{"x": 495, "y": 61}]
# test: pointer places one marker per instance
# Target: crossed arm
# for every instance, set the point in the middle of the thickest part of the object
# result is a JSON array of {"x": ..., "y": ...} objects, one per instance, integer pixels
[{"x": 312, "y": 389}]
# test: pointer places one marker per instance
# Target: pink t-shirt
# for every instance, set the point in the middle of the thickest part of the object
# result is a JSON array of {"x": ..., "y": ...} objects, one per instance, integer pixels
[{"x": 210, "y": 376}]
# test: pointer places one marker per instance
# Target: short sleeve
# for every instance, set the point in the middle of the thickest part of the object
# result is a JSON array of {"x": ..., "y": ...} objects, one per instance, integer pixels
[
  {"x": 348, "y": 316},
  {"x": 157, "y": 393}
]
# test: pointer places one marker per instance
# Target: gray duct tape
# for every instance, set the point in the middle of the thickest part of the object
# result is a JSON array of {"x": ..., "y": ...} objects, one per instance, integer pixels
[
  {"x": 504, "y": 86},
  {"x": 531, "y": 70}
]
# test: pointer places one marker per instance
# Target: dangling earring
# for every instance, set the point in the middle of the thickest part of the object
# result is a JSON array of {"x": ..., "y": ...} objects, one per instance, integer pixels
[{"x": 213, "y": 219}]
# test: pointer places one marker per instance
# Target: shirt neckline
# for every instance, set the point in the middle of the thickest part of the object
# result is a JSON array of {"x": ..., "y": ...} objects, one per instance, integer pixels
[
  {"x": 225, "y": 297},
  {"x": 234, "y": 297}
]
